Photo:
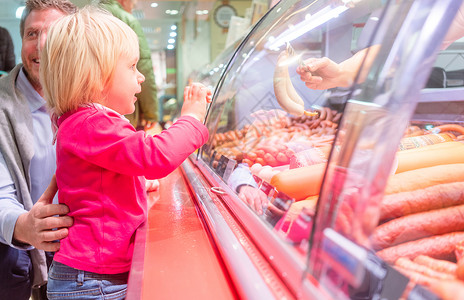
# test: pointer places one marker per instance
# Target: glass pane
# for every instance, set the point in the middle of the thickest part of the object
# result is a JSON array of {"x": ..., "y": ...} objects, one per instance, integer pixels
[{"x": 313, "y": 159}]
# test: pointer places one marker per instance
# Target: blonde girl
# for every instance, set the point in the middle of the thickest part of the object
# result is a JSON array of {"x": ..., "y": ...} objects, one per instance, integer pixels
[{"x": 89, "y": 77}]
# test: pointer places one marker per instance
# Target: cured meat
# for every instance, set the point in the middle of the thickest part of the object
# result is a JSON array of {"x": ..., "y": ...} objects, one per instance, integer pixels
[
  {"x": 433, "y": 197},
  {"x": 440, "y": 247},
  {"x": 419, "y": 225}
]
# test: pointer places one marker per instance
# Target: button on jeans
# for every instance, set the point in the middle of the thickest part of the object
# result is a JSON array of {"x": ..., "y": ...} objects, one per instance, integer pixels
[{"x": 68, "y": 283}]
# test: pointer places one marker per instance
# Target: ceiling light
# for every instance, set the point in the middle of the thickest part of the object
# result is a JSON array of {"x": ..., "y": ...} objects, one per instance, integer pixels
[
  {"x": 172, "y": 12},
  {"x": 321, "y": 17},
  {"x": 154, "y": 4},
  {"x": 19, "y": 12},
  {"x": 173, "y": 27},
  {"x": 170, "y": 47},
  {"x": 171, "y": 41},
  {"x": 172, "y": 34}
]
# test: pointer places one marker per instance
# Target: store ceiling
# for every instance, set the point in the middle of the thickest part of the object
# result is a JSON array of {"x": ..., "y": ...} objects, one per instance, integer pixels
[{"x": 156, "y": 21}]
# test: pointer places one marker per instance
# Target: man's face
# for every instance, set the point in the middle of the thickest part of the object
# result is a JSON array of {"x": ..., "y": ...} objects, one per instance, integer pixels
[{"x": 35, "y": 33}]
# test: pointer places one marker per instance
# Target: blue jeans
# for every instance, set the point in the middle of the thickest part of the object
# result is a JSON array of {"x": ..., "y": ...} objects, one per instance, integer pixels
[{"x": 68, "y": 283}]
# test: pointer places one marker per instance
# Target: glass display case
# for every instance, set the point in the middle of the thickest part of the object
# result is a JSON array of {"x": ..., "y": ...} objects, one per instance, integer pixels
[{"x": 349, "y": 184}]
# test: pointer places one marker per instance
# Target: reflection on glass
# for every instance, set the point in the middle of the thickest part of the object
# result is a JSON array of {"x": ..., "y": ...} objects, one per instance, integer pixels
[{"x": 306, "y": 122}]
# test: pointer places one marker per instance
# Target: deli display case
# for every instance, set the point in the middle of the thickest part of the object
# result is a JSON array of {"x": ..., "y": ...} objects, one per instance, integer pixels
[{"x": 348, "y": 185}]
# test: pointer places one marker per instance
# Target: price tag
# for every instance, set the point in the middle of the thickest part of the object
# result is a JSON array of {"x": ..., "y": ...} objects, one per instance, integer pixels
[{"x": 353, "y": 272}]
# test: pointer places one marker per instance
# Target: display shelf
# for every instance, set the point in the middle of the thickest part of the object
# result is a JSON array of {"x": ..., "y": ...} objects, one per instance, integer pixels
[{"x": 318, "y": 171}]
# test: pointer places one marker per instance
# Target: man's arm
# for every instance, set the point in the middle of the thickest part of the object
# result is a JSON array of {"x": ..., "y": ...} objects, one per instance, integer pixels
[
  {"x": 22, "y": 229},
  {"x": 323, "y": 73}
]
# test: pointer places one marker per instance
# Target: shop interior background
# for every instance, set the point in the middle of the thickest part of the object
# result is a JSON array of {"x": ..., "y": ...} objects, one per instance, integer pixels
[{"x": 184, "y": 36}]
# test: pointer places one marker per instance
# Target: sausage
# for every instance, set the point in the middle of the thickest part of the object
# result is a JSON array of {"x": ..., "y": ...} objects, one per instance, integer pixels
[
  {"x": 284, "y": 91},
  {"x": 268, "y": 149},
  {"x": 270, "y": 159},
  {"x": 416, "y": 277},
  {"x": 419, "y": 225},
  {"x": 447, "y": 289},
  {"x": 438, "y": 265},
  {"x": 322, "y": 113},
  {"x": 432, "y": 155},
  {"x": 300, "y": 183},
  {"x": 424, "y": 177},
  {"x": 432, "y": 197},
  {"x": 440, "y": 247},
  {"x": 460, "y": 269},
  {"x": 282, "y": 159},
  {"x": 449, "y": 127},
  {"x": 337, "y": 117},
  {"x": 406, "y": 263},
  {"x": 329, "y": 115}
]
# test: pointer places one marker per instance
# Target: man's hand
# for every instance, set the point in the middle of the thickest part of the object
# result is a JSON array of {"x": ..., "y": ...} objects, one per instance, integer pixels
[
  {"x": 36, "y": 226},
  {"x": 321, "y": 73},
  {"x": 254, "y": 197}
]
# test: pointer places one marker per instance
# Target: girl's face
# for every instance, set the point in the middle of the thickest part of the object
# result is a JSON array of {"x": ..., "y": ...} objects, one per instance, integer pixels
[{"x": 126, "y": 83}]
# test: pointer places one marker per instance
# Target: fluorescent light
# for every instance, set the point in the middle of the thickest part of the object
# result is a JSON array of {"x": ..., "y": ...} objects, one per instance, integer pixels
[
  {"x": 170, "y": 47},
  {"x": 19, "y": 12},
  {"x": 172, "y": 12},
  {"x": 171, "y": 41},
  {"x": 310, "y": 22},
  {"x": 172, "y": 34},
  {"x": 154, "y": 4},
  {"x": 173, "y": 27}
]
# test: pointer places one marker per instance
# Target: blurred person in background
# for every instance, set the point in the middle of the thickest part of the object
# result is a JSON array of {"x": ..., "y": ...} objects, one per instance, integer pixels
[
  {"x": 7, "y": 56},
  {"x": 146, "y": 110},
  {"x": 27, "y": 165}
]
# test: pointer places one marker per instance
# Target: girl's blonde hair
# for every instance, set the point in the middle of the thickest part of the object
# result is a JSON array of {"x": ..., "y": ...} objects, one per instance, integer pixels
[{"x": 79, "y": 58}]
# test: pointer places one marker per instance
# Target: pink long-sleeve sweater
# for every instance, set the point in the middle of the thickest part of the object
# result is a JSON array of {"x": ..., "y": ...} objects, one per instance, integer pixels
[{"x": 101, "y": 164}]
